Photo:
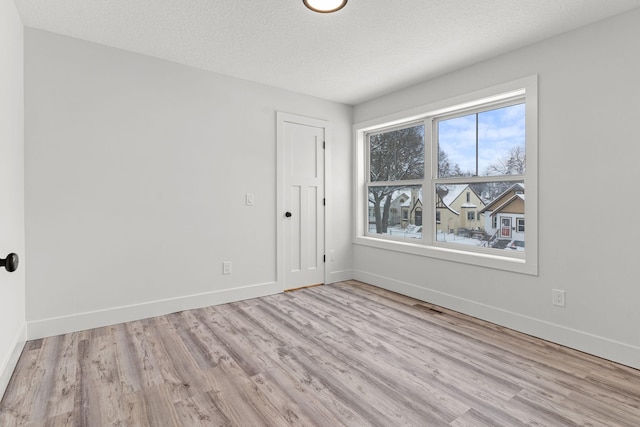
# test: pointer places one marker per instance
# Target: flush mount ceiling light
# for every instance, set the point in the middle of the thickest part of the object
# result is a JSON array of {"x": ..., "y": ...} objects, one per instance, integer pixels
[{"x": 325, "y": 6}]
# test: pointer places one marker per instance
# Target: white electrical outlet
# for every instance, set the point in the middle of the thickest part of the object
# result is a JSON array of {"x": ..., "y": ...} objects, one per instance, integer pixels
[
  {"x": 226, "y": 267},
  {"x": 558, "y": 297},
  {"x": 250, "y": 199}
]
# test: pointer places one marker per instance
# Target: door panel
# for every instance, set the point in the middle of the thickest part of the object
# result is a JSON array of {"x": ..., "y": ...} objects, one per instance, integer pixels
[{"x": 295, "y": 250}]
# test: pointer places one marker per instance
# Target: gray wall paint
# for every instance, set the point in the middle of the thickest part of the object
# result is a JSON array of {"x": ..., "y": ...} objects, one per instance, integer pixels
[
  {"x": 136, "y": 175},
  {"x": 589, "y": 103},
  {"x": 12, "y": 285}
]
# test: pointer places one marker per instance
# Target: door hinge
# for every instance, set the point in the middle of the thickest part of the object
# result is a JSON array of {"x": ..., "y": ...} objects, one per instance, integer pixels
[
  {"x": 324, "y": 202},
  {"x": 324, "y": 144},
  {"x": 324, "y": 258}
]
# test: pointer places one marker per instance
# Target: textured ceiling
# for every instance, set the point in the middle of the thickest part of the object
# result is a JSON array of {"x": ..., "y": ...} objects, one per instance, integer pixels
[{"x": 369, "y": 48}]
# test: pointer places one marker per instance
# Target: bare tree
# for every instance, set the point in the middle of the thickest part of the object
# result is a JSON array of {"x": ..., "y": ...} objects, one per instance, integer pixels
[
  {"x": 445, "y": 168},
  {"x": 514, "y": 163},
  {"x": 394, "y": 156}
]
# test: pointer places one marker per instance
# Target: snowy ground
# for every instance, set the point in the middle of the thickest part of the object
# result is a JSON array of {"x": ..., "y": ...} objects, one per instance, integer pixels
[
  {"x": 452, "y": 238},
  {"x": 413, "y": 232}
]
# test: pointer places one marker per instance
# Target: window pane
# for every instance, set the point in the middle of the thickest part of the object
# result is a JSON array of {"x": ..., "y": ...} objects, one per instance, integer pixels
[
  {"x": 457, "y": 146},
  {"x": 488, "y": 143},
  {"x": 397, "y": 155},
  {"x": 491, "y": 216},
  {"x": 396, "y": 211},
  {"x": 501, "y": 142}
]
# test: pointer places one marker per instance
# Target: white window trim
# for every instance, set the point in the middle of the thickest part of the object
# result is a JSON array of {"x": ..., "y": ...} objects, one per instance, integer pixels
[{"x": 528, "y": 263}]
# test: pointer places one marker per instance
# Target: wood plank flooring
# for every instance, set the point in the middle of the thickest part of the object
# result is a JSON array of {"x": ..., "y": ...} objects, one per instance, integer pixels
[{"x": 347, "y": 354}]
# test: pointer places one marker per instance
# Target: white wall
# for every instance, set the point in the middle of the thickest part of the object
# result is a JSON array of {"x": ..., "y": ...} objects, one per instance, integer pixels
[
  {"x": 589, "y": 148},
  {"x": 12, "y": 292},
  {"x": 136, "y": 175}
]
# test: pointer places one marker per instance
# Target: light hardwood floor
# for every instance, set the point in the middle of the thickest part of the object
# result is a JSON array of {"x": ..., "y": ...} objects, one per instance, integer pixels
[{"x": 343, "y": 354}]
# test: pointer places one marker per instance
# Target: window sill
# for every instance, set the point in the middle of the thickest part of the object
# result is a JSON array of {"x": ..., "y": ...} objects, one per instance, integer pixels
[{"x": 487, "y": 260}]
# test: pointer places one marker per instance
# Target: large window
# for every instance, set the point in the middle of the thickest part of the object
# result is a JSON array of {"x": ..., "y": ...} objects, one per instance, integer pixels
[{"x": 451, "y": 181}]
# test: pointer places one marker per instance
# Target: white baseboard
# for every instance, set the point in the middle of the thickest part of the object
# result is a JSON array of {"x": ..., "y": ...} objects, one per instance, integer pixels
[
  {"x": 81, "y": 321},
  {"x": 339, "y": 276},
  {"x": 615, "y": 351},
  {"x": 9, "y": 364}
]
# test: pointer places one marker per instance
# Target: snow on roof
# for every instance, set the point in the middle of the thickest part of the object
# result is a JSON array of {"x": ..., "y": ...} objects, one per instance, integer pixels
[
  {"x": 468, "y": 205},
  {"x": 397, "y": 195},
  {"x": 453, "y": 192},
  {"x": 453, "y": 210}
]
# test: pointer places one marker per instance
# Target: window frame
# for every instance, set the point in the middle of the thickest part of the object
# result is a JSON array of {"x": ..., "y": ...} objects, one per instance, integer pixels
[{"x": 521, "y": 90}]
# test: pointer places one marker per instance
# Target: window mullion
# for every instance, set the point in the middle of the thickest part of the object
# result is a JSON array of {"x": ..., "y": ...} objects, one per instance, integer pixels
[
  {"x": 479, "y": 179},
  {"x": 406, "y": 183},
  {"x": 431, "y": 170},
  {"x": 477, "y": 148}
]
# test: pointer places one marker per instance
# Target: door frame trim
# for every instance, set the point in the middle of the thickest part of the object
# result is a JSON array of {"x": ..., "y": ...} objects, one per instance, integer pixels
[{"x": 281, "y": 119}]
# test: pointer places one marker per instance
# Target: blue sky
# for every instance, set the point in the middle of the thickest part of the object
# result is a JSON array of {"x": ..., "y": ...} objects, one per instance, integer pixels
[{"x": 498, "y": 131}]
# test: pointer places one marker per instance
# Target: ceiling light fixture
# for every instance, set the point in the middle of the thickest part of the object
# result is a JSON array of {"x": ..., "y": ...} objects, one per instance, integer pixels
[{"x": 325, "y": 6}]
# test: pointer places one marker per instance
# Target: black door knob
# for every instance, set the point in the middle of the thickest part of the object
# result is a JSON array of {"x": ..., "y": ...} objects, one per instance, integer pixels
[
  {"x": 10, "y": 262},
  {"x": 288, "y": 214}
]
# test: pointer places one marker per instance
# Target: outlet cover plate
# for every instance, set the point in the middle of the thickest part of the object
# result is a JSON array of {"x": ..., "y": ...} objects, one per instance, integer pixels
[{"x": 558, "y": 297}]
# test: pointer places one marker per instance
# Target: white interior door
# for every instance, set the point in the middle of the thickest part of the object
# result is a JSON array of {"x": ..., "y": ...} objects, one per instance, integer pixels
[
  {"x": 303, "y": 202},
  {"x": 12, "y": 232}
]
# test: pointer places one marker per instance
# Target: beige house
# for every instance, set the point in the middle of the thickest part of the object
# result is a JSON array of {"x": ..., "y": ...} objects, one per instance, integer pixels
[{"x": 458, "y": 208}]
